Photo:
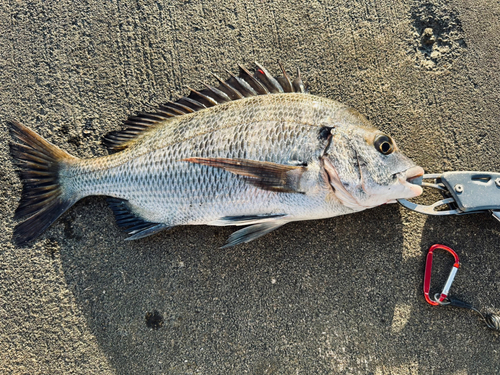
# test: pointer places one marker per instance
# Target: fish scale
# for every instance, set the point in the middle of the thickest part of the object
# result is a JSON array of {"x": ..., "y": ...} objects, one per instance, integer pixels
[
  {"x": 262, "y": 139},
  {"x": 260, "y": 159}
]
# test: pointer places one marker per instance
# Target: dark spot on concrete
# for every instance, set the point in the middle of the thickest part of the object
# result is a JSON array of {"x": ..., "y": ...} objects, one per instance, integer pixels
[
  {"x": 154, "y": 320},
  {"x": 69, "y": 232},
  {"x": 51, "y": 247},
  {"x": 438, "y": 35},
  {"x": 428, "y": 37},
  {"x": 89, "y": 124},
  {"x": 75, "y": 141},
  {"x": 88, "y": 127},
  {"x": 65, "y": 129}
]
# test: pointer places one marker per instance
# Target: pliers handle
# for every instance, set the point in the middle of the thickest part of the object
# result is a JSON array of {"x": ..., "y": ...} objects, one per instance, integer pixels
[{"x": 464, "y": 192}]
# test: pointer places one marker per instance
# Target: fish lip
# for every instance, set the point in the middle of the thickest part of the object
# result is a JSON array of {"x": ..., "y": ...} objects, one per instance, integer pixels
[
  {"x": 414, "y": 173},
  {"x": 410, "y": 174},
  {"x": 410, "y": 178}
]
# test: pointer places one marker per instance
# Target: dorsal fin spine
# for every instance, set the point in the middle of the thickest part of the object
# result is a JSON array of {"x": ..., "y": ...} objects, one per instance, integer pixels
[
  {"x": 234, "y": 88},
  {"x": 193, "y": 102},
  {"x": 252, "y": 81},
  {"x": 220, "y": 94},
  {"x": 173, "y": 109},
  {"x": 285, "y": 81},
  {"x": 184, "y": 107},
  {"x": 267, "y": 79},
  {"x": 298, "y": 85},
  {"x": 207, "y": 98},
  {"x": 166, "y": 111},
  {"x": 245, "y": 88},
  {"x": 231, "y": 91}
]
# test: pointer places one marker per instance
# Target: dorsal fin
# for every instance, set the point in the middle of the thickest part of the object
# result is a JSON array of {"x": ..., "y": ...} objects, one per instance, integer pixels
[{"x": 246, "y": 84}]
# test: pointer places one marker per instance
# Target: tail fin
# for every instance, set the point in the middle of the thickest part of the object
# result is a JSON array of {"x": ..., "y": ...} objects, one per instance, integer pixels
[{"x": 43, "y": 200}]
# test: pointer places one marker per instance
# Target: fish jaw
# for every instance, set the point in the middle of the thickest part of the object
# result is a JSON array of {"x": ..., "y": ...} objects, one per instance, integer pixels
[
  {"x": 366, "y": 197},
  {"x": 405, "y": 178},
  {"x": 402, "y": 188}
]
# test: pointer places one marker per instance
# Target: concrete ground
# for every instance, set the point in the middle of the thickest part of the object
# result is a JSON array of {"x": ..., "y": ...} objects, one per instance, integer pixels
[{"x": 338, "y": 296}]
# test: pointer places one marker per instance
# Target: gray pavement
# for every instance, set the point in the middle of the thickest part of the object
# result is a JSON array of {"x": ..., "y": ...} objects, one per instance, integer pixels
[{"x": 337, "y": 296}]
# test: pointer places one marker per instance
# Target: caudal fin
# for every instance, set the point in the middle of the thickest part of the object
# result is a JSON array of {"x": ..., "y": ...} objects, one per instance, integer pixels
[{"x": 43, "y": 199}]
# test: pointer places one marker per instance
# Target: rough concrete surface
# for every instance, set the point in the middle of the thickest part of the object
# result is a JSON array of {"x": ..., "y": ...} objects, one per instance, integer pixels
[{"x": 338, "y": 296}]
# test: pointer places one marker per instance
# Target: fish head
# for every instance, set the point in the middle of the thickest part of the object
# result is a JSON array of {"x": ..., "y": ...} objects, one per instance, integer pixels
[{"x": 365, "y": 168}]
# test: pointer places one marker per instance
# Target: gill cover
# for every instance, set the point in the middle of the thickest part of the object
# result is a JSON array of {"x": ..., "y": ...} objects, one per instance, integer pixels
[{"x": 367, "y": 169}]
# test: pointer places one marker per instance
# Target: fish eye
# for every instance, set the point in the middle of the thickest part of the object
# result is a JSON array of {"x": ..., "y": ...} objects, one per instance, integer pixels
[{"x": 384, "y": 144}]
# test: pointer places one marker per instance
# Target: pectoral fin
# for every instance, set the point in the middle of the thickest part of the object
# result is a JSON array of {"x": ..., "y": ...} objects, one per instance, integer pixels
[{"x": 262, "y": 174}]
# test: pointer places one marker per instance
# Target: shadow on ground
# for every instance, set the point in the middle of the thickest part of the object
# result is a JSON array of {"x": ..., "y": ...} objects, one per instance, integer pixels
[
  {"x": 304, "y": 297},
  {"x": 316, "y": 296}
]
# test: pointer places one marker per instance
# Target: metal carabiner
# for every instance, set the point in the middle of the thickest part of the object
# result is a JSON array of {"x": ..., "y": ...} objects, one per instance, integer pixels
[{"x": 427, "y": 276}]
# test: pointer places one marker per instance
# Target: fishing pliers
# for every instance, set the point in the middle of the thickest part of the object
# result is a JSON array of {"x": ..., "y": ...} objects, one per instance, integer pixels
[{"x": 464, "y": 192}]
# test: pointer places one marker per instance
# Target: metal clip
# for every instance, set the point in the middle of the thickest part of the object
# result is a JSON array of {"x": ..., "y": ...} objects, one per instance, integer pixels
[
  {"x": 465, "y": 192},
  {"x": 430, "y": 209},
  {"x": 441, "y": 300}
]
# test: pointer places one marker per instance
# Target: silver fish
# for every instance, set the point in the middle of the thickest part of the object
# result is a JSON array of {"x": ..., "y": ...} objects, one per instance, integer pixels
[{"x": 257, "y": 151}]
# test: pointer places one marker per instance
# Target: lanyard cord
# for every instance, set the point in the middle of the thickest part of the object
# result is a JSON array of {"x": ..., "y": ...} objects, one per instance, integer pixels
[{"x": 492, "y": 320}]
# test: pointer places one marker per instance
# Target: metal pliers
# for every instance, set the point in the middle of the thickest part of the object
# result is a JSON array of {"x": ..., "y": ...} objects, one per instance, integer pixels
[{"x": 463, "y": 192}]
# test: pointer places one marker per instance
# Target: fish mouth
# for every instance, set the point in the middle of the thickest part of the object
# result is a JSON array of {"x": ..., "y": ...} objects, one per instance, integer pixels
[{"x": 411, "y": 179}]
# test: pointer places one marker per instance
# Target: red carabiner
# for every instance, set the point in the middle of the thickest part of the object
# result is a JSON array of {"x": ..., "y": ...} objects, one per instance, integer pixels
[{"x": 427, "y": 275}]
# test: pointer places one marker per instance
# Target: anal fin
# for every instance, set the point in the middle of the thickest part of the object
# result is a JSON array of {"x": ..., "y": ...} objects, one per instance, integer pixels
[{"x": 132, "y": 223}]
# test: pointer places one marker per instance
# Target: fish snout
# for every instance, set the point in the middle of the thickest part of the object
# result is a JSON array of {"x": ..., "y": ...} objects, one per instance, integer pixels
[{"x": 410, "y": 179}]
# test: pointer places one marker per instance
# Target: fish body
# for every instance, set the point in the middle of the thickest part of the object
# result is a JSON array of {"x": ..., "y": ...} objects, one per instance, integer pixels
[{"x": 250, "y": 158}]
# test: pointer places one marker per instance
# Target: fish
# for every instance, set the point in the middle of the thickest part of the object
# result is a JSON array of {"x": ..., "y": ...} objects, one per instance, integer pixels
[{"x": 256, "y": 151}]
